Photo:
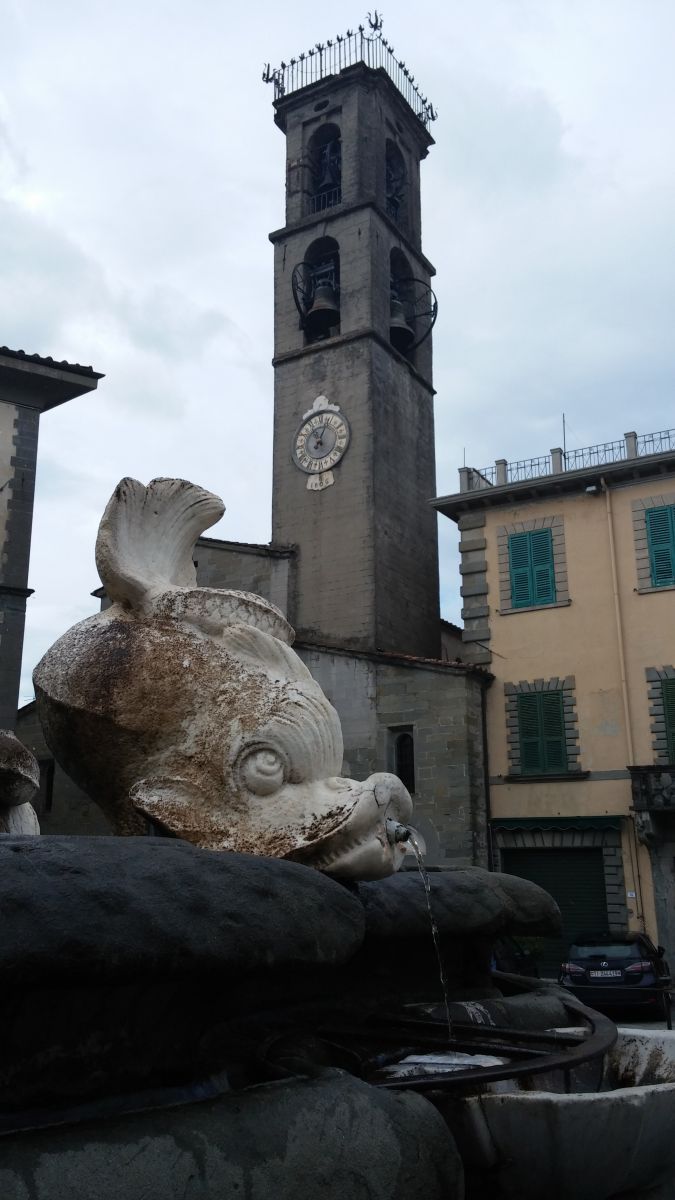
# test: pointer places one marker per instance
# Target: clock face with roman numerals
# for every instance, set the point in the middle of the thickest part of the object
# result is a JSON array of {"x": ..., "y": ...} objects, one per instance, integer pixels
[{"x": 321, "y": 441}]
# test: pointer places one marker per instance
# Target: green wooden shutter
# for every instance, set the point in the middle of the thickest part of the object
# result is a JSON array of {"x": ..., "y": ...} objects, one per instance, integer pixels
[
  {"x": 529, "y": 734},
  {"x": 553, "y": 732},
  {"x": 519, "y": 565},
  {"x": 531, "y": 568},
  {"x": 668, "y": 690},
  {"x": 543, "y": 576},
  {"x": 541, "y": 733},
  {"x": 661, "y": 541}
]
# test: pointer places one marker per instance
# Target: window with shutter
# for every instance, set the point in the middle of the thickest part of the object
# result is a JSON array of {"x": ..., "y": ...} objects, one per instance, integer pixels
[
  {"x": 529, "y": 732},
  {"x": 541, "y": 556},
  {"x": 668, "y": 690},
  {"x": 531, "y": 568},
  {"x": 519, "y": 564},
  {"x": 541, "y": 733},
  {"x": 661, "y": 543}
]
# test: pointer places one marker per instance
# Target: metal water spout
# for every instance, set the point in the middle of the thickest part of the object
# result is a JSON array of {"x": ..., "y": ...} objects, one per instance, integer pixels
[{"x": 397, "y": 832}]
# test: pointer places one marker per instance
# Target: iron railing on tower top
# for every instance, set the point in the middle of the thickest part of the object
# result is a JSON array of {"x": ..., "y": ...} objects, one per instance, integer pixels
[{"x": 355, "y": 46}]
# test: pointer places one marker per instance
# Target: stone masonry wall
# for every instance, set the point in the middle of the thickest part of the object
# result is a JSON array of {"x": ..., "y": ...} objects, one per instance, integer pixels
[
  {"x": 441, "y": 706},
  {"x": 266, "y": 571},
  {"x": 18, "y": 485},
  {"x": 474, "y": 588}
]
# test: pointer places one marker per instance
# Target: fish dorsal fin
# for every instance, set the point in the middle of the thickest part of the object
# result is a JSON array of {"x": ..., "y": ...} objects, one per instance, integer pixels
[{"x": 147, "y": 535}]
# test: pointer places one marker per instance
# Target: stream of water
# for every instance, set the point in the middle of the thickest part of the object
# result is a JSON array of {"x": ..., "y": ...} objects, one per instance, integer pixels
[{"x": 434, "y": 927}]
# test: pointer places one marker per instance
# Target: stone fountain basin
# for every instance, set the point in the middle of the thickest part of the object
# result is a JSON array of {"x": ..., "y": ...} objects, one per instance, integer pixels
[{"x": 588, "y": 1144}]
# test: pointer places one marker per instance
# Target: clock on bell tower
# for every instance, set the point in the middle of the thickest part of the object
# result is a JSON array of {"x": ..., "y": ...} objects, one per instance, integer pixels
[{"x": 354, "y": 463}]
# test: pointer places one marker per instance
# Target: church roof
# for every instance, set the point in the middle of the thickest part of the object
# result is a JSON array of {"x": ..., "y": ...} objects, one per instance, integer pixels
[{"x": 396, "y": 658}]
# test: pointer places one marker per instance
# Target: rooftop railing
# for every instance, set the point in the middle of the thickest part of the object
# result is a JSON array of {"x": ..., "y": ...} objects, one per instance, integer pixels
[
  {"x": 355, "y": 46},
  {"x": 559, "y": 461}
]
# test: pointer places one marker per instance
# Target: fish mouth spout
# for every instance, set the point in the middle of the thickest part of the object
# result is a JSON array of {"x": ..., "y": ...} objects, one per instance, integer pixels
[
  {"x": 374, "y": 839},
  {"x": 398, "y": 833}
]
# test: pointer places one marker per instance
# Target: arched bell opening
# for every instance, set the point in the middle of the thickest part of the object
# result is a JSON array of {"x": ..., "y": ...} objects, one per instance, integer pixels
[
  {"x": 316, "y": 290},
  {"x": 325, "y": 169},
  {"x": 413, "y": 307},
  {"x": 402, "y": 330},
  {"x": 396, "y": 184}
]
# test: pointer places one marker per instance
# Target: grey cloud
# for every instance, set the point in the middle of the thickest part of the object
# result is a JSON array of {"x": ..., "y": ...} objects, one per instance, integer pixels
[
  {"x": 548, "y": 204},
  {"x": 501, "y": 138},
  {"x": 168, "y": 323},
  {"x": 571, "y": 313},
  {"x": 45, "y": 279},
  {"x": 12, "y": 160}
]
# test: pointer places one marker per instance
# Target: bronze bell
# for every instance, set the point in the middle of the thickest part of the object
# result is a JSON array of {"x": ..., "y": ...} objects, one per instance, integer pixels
[
  {"x": 401, "y": 334},
  {"x": 327, "y": 180},
  {"x": 324, "y": 313}
]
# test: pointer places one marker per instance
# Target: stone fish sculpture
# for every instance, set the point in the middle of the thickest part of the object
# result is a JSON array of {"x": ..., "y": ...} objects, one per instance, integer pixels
[{"x": 186, "y": 706}]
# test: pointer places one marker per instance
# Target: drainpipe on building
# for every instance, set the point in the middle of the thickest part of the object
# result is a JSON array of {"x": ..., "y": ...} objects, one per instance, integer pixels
[{"x": 624, "y": 686}]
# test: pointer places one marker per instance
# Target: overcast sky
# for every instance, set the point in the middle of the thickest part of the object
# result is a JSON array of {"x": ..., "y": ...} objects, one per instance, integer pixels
[{"x": 140, "y": 173}]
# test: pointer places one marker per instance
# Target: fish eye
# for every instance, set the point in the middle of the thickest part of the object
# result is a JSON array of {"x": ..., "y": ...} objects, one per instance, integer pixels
[{"x": 262, "y": 771}]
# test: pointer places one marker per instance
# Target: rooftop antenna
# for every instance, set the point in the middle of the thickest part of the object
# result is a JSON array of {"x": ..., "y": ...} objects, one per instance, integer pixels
[{"x": 564, "y": 439}]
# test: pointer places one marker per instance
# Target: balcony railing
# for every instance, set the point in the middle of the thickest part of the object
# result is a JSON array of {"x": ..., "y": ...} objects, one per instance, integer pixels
[
  {"x": 355, "y": 46},
  {"x": 324, "y": 200},
  {"x": 559, "y": 461}
]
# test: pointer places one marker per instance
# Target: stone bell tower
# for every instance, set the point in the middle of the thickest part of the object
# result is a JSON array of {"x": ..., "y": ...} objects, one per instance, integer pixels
[{"x": 353, "y": 309}]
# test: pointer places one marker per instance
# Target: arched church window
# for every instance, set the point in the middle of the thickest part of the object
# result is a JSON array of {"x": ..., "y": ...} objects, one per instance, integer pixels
[
  {"x": 316, "y": 289},
  {"x": 325, "y": 169},
  {"x": 404, "y": 749},
  {"x": 396, "y": 184}
]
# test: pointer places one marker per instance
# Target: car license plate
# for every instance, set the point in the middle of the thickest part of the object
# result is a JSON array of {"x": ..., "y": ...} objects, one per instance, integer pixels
[{"x": 605, "y": 974}]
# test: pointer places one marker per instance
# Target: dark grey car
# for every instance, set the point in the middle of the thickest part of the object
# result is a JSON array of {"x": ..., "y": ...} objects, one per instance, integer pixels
[{"x": 626, "y": 971}]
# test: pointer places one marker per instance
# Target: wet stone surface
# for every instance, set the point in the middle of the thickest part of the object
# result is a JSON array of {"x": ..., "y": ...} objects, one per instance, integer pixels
[
  {"x": 465, "y": 902},
  {"x": 333, "y": 1137},
  {"x": 131, "y": 963},
  {"x": 137, "y": 907},
  {"x": 135, "y": 963}
]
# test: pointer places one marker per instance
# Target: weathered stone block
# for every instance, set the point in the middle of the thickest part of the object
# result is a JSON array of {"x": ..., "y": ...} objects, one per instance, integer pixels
[
  {"x": 472, "y": 520},
  {"x": 332, "y": 1136},
  {"x": 470, "y": 901}
]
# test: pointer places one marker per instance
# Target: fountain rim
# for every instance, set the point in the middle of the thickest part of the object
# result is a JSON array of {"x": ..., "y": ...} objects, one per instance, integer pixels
[{"x": 602, "y": 1037}]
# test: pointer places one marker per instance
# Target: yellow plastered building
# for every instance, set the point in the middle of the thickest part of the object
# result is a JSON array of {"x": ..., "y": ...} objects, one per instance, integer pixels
[{"x": 568, "y": 586}]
